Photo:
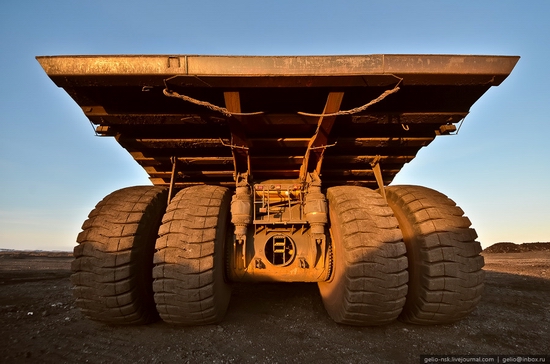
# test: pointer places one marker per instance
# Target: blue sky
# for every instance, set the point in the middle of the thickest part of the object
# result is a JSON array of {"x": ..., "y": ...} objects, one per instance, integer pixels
[{"x": 54, "y": 170}]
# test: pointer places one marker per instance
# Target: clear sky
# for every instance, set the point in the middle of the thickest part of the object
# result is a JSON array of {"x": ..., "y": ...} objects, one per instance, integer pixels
[{"x": 54, "y": 170}]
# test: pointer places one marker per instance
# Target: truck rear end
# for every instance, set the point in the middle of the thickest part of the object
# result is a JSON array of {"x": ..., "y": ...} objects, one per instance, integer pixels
[{"x": 276, "y": 169}]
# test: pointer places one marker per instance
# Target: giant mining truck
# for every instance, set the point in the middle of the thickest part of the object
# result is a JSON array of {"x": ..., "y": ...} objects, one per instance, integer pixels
[{"x": 276, "y": 168}]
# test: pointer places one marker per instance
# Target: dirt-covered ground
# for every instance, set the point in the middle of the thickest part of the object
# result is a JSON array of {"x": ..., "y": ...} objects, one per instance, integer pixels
[{"x": 266, "y": 323}]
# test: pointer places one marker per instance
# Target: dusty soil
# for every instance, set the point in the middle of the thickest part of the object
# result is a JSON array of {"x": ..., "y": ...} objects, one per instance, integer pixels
[{"x": 266, "y": 323}]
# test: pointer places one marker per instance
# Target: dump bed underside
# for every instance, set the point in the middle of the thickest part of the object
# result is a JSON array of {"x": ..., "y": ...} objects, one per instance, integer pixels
[{"x": 426, "y": 95}]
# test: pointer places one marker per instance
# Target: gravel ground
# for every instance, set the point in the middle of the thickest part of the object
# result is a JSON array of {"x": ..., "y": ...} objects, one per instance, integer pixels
[{"x": 266, "y": 323}]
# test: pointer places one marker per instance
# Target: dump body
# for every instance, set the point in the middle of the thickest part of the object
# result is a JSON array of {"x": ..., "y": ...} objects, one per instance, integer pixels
[{"x": 278, "y": 101}]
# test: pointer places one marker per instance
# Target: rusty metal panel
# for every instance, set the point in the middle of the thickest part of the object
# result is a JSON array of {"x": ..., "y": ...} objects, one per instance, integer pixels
[
  {"x": 276, "y": 65},
  {"x": 286, "y": 65},
  {"x": 493, "y": 67}
]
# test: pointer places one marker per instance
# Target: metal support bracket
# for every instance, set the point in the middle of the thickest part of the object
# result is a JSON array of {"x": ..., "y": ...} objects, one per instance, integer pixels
[
  {"x": 318, "y": 143},
  {"x": 174, "y": 161},
  {"x": 375, "y": 164},
  {"x": 239, "y": 143}
]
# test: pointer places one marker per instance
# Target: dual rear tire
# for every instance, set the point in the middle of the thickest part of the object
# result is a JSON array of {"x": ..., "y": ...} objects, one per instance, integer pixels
[
  {"x": 123, "y": 274},
  {"x": 445, "y": 268},
  {"x": 421, "y": 266},
  {"x": 112, "y": 280}
]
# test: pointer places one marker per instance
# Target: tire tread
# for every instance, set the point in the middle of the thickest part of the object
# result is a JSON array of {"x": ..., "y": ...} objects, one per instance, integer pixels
[
  {"x": 374, "y": 277},
  {"x": 446, "y": 277},
  {"x": 114, "y": 251},
  {"x": 187, "y": 286}
]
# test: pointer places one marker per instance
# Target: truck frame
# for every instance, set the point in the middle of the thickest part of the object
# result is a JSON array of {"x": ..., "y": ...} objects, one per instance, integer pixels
[{"x": 276, "y": 168}]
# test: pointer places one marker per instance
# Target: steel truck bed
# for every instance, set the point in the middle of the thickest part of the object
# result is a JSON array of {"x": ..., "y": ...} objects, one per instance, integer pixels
[{"x": 218, "y": 115}]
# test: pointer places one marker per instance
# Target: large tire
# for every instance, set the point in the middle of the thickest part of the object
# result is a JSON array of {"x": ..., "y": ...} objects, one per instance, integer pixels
[
  {"x": 190, "y": 281},
  {"x": 112, "y": 270},
  {"x": 369, "y": 280},
  {"x": 445, "y": 275}
]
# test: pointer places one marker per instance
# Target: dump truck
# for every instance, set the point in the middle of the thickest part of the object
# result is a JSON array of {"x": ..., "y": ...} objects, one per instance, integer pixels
[{"x": 276, "y": 168}]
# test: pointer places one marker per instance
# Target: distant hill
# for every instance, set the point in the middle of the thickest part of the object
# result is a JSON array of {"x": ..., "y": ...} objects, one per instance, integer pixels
[
  {"x": 23, "y": 254},
  {"x": 517, "y": 248}
]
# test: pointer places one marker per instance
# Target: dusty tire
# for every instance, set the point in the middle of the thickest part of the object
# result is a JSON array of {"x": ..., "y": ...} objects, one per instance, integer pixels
[
  {"x": 190, "y": 282},
  {"x": 112, "y": 270},
  {"x": 445, "y": 276},
  {"x": 369, "y": 280}
]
